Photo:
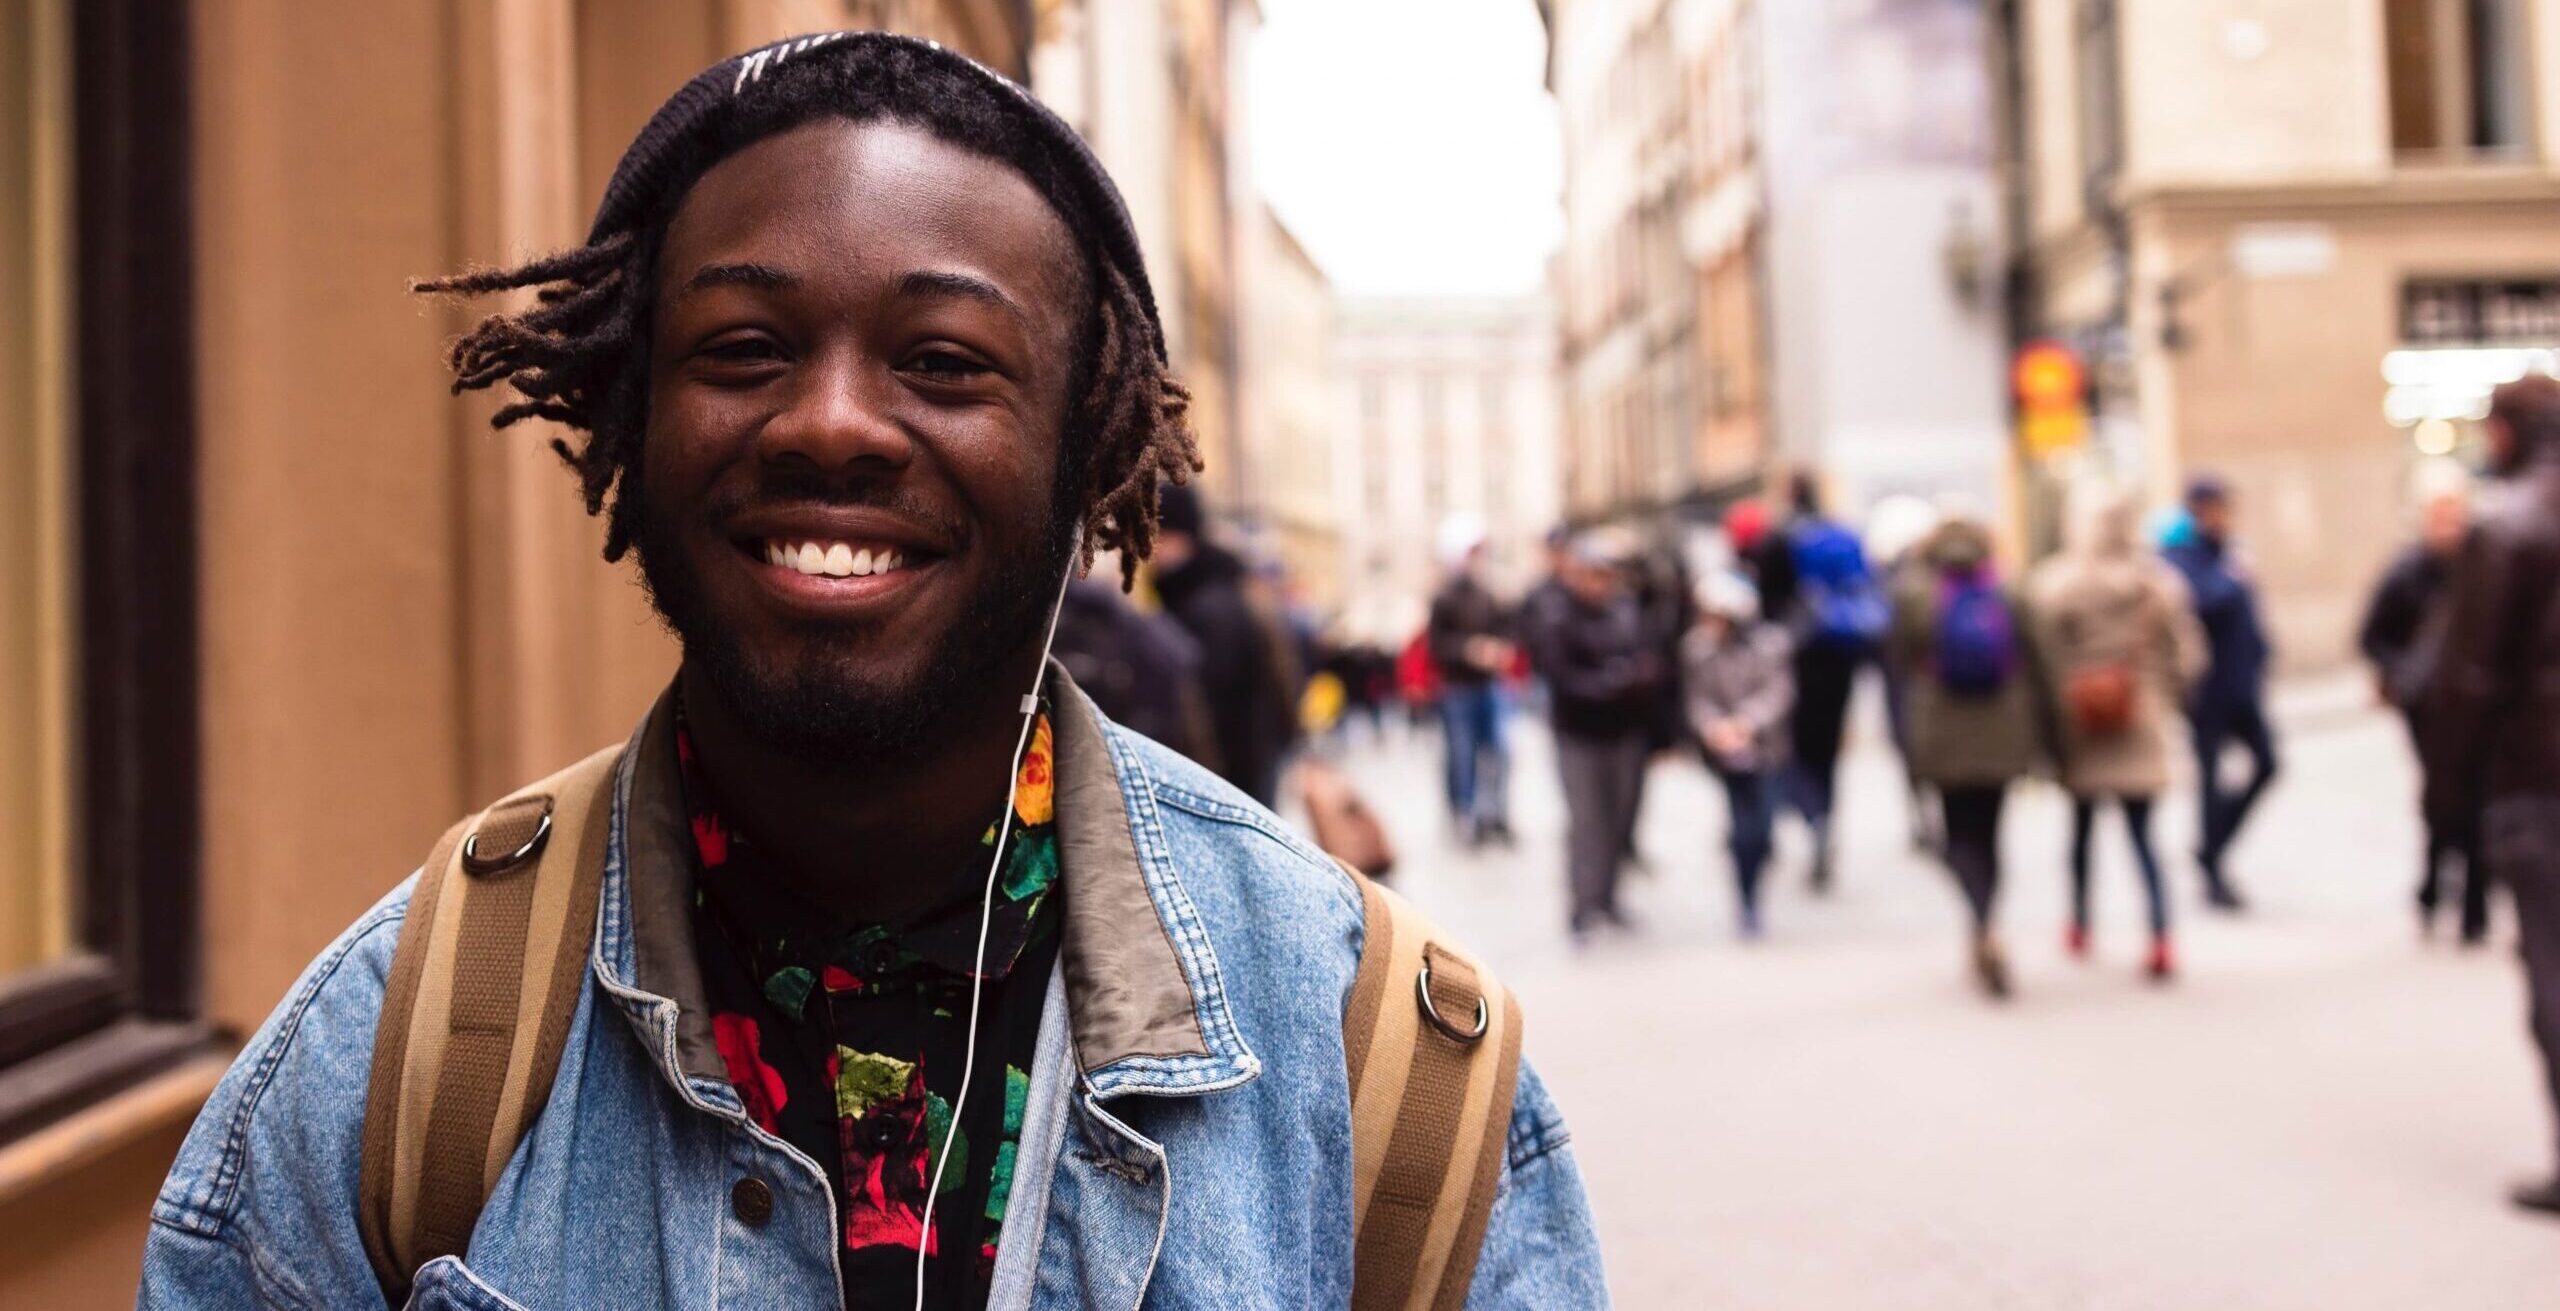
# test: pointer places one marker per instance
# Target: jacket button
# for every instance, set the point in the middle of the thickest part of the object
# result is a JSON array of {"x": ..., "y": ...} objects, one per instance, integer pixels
[{"x": 752, "y": 1200}]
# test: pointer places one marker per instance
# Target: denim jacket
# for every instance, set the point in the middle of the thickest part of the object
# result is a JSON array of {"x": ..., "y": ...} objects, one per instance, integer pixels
[{"x": 1187, "y": 1142}]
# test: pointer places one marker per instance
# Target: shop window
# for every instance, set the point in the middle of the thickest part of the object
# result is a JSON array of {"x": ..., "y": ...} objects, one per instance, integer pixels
[
  {"x": 2460, "y": 79},
  {"x": 98, "y": 794}
]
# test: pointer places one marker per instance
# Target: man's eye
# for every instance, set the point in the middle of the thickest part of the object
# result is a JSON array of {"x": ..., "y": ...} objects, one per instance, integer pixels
[
  {"x": 742, "y": 350},
  {"x": 945, "y": 365}
]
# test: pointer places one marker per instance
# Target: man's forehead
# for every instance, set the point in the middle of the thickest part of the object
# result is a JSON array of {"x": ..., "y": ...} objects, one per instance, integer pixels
[{"x": 834, "y": 193}]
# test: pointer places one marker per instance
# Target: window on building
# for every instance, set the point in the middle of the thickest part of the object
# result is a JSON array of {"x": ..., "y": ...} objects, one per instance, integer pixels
[
  {"x": 98, "y": 794},
  {"x": 2460, "y": 78}
]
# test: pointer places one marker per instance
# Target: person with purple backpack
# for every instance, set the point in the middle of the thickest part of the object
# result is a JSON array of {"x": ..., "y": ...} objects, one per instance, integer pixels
[{"x": 1959, "y": 641}]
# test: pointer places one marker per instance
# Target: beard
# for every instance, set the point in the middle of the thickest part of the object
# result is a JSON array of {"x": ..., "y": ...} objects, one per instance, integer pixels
[{"x": 817, "y": 709}]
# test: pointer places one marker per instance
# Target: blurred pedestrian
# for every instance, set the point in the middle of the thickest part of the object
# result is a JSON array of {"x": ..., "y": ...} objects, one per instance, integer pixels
[
  {"x": 1664, "y": 604},
  {"x": 1896, "y": 528},
  {"x": 1547, "y": 601},
  {"x": 2397, "y": 640},
  {"x": 1746, "y": 530},
  {"x": 1959, "y": 637},
  {"x": 1469, "y": 637},
  {"x": 2120, "y": 646},
  {"x": 1245, "y": 655},
  {"x": 1603, "y": 674},
  {"x": 2493, "y": 702},
  {"x": 1141, "y": 669},
  {"x": 1737, "y": 690},
  {"x": 2229, "y": 706},
  {"x": 1418, "y": 679},
  {"x": 1368, "y": 679},
  {"x": 1814, "y": 577}
]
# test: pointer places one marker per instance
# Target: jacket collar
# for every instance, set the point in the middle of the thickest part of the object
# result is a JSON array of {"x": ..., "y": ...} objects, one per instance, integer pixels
[{"x": 1146, "y": 1002}]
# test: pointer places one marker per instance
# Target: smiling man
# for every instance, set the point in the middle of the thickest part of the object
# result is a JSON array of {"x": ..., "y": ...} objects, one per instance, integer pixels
[{"x": 877, "y": 969}]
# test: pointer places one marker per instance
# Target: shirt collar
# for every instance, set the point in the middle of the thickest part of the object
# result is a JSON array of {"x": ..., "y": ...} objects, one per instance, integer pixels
[
  {"x": 743, "y": 893},
  {"x": 1147, "y": 1002}
]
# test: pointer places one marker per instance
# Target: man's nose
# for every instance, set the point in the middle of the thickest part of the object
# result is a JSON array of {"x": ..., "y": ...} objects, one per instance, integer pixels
[{"x": 841, "y": 418}]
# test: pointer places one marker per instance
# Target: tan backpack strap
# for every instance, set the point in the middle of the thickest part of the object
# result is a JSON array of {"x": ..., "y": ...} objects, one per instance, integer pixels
[
  {"x": 1432, "y": 1042},
  {"x": 491, "y": 962}
]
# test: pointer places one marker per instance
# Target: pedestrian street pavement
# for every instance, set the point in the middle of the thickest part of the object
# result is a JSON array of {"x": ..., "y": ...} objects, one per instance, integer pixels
[{"x": 2321, "y": 1112}]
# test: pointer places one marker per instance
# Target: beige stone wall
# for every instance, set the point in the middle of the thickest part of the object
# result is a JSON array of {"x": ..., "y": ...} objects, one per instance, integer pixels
[
  {"x": 2055, "y": 162},
  {"x": 2545, "y": 29},
  {"x": 2281, "y": 386},
  {"x": 2256, "y": 92}
]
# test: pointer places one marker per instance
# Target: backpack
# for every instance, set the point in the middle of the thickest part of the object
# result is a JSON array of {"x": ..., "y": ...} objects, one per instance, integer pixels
[
  {"x": 1977, "y": 638},
  {"x": 492, "y": 959},
  {"x": 1843, "y": 604}
]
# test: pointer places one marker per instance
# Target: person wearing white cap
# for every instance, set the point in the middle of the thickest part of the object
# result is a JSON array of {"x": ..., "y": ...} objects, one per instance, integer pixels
[{"x": 1736, "y": 691}]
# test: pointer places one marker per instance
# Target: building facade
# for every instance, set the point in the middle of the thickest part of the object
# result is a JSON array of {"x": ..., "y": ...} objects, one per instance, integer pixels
[
  {"x": 1445, "y": 419},
  {"x": 1626, "y": 300},
  {"x": 1724, "y": 223},
  {"x": 1887, "y": 347},
  {"x": 1288, "y": 411},
  {"x": 1780, "y": 249},
  {"x": 1149, "y": 84},
  {"x": 2297, "y": 242},
  {"x": 275, "y": 606}
]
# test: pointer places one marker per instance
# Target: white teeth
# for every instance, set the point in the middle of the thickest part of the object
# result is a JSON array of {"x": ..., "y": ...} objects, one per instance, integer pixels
[{"x": 831, "y": 559}]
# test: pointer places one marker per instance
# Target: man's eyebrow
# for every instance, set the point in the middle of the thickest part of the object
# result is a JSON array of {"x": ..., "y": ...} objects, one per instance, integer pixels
[
  {"x": 763, "y": 276},
  {"x": 943, "y": 282}
]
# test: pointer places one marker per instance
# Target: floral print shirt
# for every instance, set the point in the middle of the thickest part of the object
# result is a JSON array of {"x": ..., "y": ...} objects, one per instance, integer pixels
[{"x": 846, "y": 1040}]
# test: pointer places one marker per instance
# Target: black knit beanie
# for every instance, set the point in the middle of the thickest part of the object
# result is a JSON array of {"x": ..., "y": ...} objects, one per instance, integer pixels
[{"x": 698, "y": 111}]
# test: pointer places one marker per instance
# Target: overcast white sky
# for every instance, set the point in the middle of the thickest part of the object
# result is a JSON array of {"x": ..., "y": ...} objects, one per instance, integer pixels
[{"x": 1410, "y": 144}]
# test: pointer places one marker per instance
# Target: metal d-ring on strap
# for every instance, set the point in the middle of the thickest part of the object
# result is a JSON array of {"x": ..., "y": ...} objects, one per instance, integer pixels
[
  {"x": 1431, "y": 1012},
  {"x": 474, "y": 862}
]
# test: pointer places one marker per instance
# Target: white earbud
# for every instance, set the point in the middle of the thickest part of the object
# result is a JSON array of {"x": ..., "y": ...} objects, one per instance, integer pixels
[{"x": 987, "y": 909}]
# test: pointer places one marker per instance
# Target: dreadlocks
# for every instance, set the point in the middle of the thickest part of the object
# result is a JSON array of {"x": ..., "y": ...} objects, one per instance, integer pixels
[{"x": 579, "y": 355}]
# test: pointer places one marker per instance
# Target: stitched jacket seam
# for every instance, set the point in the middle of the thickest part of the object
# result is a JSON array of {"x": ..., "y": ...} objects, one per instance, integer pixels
[
  {"x": 207, "y": 1213},
  {"x": 1218, "y": 812},
  {"x": 274, "y": 1286},
  {"x": 1191, "y": 933},
  {"x": 1540, "y": 1140}
]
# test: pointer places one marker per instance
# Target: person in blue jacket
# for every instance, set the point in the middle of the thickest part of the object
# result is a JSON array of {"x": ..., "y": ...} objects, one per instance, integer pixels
[{"x": 2229, "y": 705}]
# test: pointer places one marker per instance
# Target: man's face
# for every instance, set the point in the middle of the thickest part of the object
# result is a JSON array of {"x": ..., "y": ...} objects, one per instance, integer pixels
[
  {"x": 2442, "y": 522},
  {"x": 859, "y": 370},
  {"x": 2212, "y": 516},
  {"x": 1596, "y": 583}
]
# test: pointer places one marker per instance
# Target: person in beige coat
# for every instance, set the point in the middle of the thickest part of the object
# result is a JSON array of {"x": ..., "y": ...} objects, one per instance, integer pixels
[{"x": 2123, "y": 647}]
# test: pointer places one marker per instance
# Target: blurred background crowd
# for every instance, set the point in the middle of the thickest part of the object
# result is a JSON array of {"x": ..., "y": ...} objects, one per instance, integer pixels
[{"x": 1770, "y": 516}]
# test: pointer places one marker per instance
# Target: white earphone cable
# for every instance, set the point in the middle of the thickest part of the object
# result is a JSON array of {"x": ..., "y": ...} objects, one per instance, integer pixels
[{"x": 986, "y": 916}]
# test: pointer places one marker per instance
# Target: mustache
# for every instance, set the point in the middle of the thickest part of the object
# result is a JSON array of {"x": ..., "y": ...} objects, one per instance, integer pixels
[{"x": 800, "y": 488}]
